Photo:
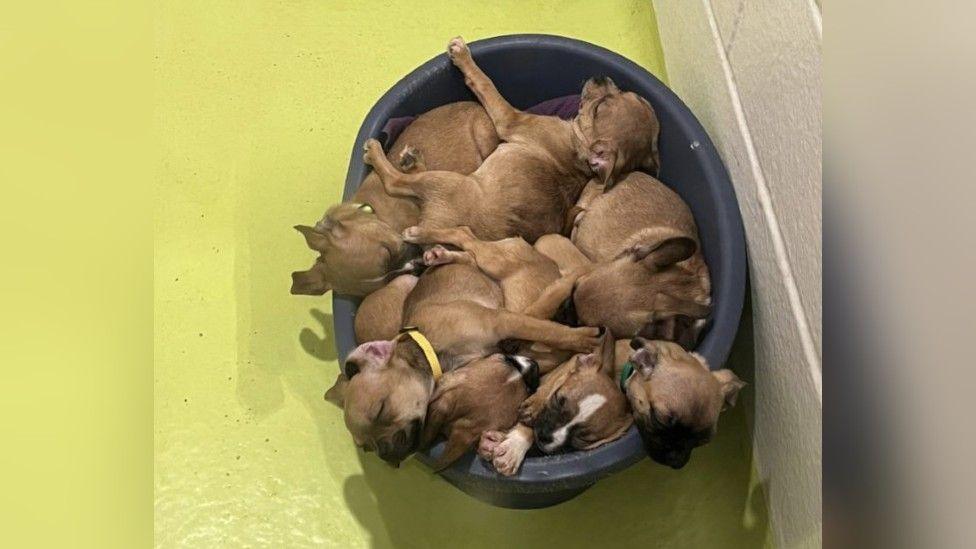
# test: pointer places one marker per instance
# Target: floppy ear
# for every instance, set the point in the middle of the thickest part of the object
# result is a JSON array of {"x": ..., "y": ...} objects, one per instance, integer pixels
[
  {"x": 608, "y": 348},
  {"x": 645, "y": 359},
  {"x": 598, "y": 84},
  {"x": 652, "y": 162},
  {"x": 665, "y": 252},
  {"x": 315, "y": 240},
  {"x": 602, "y": 159},
  {"x": 730, "y": 386},
  {"x": 441, "y": 414},
  {"x": 337, "y": 393},
  {"x": 310, "y": 282}
]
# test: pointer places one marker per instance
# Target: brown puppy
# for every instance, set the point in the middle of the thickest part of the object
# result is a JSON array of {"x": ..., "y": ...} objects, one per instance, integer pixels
[
  {"x": 359, "y": 241},
  {"x": 459, "y": 310},
  {"x": 632, "y": 217},
  {"x": 641, "y": 292},
  {"x": 380, "y": 314},
  {"x": 522, "y": 272},
  {"x": 483, "y": 396},
  {"x": 526, "y": 187},
  {"x": 578, "y": 405},
  {"x": 676, "y": 400}
]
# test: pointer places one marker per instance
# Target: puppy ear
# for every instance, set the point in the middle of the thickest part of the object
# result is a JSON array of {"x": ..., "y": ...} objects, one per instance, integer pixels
[
  {"x": 645, "y": 358},
  {"x": 599, "y": 84},
  {"x": 441, "y": 413},
  {"x": 665, "y": 252},
  {"x": 602, "y": 160},
  {"x": 730, "y": 386},
  {"x": 314, "y": 239},
  {"x": 310, "y": 282},
  {"x": 652, "y": 162},
  {"x": 608, "y": 349},
  {"x": 337, "y": 393}
]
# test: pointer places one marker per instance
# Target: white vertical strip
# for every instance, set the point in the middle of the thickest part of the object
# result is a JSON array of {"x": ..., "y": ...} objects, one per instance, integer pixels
[{"x": 765, "y": 201}]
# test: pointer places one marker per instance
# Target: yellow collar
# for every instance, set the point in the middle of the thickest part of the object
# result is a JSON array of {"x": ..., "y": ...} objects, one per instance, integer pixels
[{"x": 425, "y": 346}]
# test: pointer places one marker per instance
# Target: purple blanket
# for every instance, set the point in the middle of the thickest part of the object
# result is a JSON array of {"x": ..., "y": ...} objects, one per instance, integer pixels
[{"x": 563, "y": 107}]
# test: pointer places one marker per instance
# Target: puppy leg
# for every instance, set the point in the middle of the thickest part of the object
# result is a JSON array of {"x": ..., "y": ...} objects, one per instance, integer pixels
[
  {"x": 552, "y": 298},
  {"x": 457, "y": 236},
  {"x": 503, "y": 115},
  {"x": 417, "y": 184},
  {"x": 509, "y": 325},
  {"x": 411, "y": 160},
  {"x": 561, "y": 250},
  {"x": 439, "y": 255},
  {"x": 497, "y": 258}
]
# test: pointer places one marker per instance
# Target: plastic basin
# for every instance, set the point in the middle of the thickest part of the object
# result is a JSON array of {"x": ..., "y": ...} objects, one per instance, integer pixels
[{"x": 529, "y": 69}]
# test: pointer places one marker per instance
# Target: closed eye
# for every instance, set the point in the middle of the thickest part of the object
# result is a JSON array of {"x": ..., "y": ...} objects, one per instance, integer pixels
[{"x": 380, "y": 411}]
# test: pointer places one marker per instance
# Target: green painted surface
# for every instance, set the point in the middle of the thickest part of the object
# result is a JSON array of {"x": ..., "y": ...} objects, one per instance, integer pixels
[{"x": 258, "y": 106}]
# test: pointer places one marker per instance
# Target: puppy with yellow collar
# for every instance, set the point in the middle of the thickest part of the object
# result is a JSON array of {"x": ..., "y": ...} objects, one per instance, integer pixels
[{"x": 458, "y": 316}]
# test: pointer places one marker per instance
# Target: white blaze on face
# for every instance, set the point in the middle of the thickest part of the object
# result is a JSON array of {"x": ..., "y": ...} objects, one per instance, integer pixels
[{"x": 587, "y": 407}]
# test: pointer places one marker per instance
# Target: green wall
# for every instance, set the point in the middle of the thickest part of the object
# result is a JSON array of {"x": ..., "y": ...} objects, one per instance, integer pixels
[{"x": 257, "y": 107}]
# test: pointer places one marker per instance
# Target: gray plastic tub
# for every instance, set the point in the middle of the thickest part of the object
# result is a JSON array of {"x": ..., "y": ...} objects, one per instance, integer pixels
[{"x": 529, "y": 69}]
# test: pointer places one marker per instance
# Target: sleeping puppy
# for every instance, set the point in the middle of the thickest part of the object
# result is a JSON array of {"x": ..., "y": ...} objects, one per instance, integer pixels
[
  {"x": 628, "y": 218},
  {"x": 483, "y": 396},
  {"x": 359, "y": 243},
  {"x": 456, "y": 316},
  {"x": 644, "y": 291},
  {"x": 676, "y": 399},
  {"x": 528, "y": 184},
  {"x": 379, "y": 315},
  {"x": 578, "y": 405}
]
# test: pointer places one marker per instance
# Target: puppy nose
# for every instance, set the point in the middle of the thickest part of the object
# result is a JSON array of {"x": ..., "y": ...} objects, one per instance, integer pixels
[
  {"x": 637, "y": 343},
  {"x": 677, "y": 460}
]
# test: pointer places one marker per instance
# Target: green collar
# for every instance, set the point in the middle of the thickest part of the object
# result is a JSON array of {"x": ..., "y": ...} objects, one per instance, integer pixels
[{"x": 625, "y": 375}]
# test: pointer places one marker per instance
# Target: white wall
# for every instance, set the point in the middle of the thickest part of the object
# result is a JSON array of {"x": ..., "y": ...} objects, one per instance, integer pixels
[{"x": 750, "y": 70}]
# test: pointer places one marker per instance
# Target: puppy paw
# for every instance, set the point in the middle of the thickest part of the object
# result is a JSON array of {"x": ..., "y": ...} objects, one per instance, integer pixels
[
  {"x": 457, "y": 50},
  {"x": 510, "y": 453},
  {"x": 410, "y": 159},
  {"x": 370, "y": 149},
  {"x": 530, "y": 409},
  {"x": 412, "y": 234},
  {"x": 438, "y": 255},
  {"x": 584, "y": 339},
  {"x": 488, "y": 443}
]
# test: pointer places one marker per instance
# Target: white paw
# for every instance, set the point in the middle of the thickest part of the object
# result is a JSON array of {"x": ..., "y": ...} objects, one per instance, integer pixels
[
  {"x": 510, "y": 453},
  {"x": 457, "y": 49}
]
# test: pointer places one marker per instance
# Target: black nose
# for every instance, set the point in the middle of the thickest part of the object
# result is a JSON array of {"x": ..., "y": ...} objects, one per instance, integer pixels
[
  {"x": 675, "y": 459},
  {"x": 637, "y": 343}
]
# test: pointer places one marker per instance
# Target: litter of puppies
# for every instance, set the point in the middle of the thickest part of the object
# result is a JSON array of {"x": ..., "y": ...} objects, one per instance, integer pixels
[{"x": 526, "y": 281}]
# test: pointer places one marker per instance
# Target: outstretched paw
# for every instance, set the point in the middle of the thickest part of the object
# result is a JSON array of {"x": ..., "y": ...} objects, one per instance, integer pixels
[
  {"x": 457, "y": 50},
  {"x": 510, "y": 453},
  {"x": 371, "y": 148}
]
